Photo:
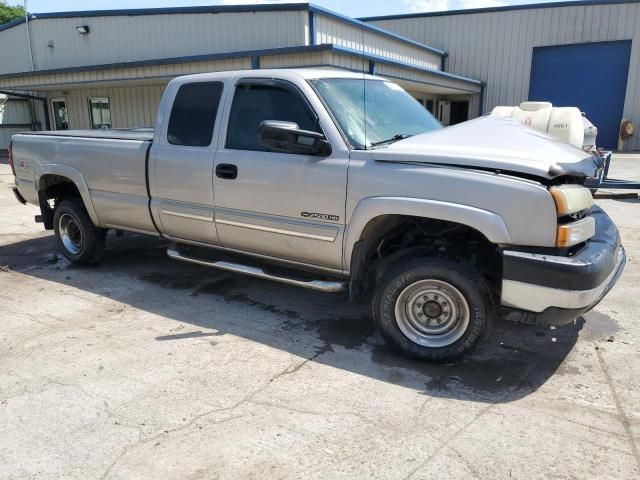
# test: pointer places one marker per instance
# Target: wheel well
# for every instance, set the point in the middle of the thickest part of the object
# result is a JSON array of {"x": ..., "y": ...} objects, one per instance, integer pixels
[
  {"x": 387, "y": 238},
  {"x": 52, "y": 189}
]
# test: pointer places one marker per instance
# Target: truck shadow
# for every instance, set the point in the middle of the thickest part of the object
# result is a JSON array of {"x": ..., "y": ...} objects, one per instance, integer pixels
[{"x": 512, "y": 362}]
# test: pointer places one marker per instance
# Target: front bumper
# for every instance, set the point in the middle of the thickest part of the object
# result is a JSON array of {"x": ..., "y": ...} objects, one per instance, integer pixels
[{"x": 553, "y": 289}]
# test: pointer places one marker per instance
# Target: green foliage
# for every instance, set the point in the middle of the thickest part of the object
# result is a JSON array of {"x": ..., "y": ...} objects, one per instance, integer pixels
[{"x": 8, "y": 13}]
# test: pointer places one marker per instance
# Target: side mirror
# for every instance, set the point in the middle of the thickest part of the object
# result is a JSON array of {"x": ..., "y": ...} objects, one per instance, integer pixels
[{"x": 287, "y": 137}]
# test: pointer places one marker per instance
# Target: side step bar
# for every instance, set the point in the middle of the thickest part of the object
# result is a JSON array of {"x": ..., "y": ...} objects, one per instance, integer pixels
[{"x": 321, "y": 285}]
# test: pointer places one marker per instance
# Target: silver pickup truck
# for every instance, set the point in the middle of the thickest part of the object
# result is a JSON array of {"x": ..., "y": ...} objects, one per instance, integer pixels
[{"x": 341, "y": 181}]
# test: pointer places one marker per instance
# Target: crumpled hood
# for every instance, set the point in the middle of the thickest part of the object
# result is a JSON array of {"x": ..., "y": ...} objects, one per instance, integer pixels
[{"x": 494, "y": 143}]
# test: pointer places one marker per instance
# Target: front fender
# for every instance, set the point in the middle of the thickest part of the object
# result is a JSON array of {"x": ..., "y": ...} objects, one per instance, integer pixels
[
  {"x": 488, "y": 223},
  {"x": 76, "y": 177}
]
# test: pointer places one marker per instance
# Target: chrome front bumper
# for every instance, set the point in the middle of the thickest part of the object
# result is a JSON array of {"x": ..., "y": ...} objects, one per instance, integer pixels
[
  {"x": 552, "y": 289},
  {"x": 537, "y": 298}
]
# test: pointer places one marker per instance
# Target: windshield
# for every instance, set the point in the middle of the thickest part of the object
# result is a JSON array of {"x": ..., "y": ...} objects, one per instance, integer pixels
[{"x": 391, "y": 113}]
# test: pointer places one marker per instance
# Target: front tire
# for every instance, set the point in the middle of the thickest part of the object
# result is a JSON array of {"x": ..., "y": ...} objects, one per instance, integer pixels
[
  {"x": 77, "y": 237},
  {"x": 432, "y": 309}
]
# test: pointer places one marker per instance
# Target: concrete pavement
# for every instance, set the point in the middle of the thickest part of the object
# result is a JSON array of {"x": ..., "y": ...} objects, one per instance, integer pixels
[{"x": 143, "y": 367}]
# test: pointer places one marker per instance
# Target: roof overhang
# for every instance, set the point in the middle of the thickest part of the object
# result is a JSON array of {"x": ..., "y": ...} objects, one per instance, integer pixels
[{"x": 323, "y": 55}]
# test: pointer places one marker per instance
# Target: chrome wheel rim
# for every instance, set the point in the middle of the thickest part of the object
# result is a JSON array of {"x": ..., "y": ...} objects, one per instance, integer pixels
[
  {"x": 432, "y": 313},
  {"x": 70, "y": 233}
]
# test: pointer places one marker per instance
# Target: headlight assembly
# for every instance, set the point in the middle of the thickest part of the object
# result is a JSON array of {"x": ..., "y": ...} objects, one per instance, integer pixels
[{"x": 571, "y": 199}]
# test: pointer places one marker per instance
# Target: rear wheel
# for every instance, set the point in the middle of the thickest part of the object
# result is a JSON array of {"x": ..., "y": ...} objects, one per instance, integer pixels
[
  {"x": 76, "y": 236},
  {"x": 432, "y": 309}
]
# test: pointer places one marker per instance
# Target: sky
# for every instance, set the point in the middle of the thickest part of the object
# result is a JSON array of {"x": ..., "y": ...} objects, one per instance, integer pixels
[{"x": 352, "y": 8}]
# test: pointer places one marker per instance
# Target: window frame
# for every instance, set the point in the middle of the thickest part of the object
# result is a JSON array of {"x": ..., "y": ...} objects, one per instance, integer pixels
[
  {"x": 53, "y": 111},
  {"x": 106, "y": 100},
  {"x": 274, "y": 82},
  {"x": 218, "y": 114}
]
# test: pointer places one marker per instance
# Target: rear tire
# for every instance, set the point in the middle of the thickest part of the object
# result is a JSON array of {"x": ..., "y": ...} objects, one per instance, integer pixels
[
  {"x": 77, "y": 237},
  {"x": 433, "y": 309}
]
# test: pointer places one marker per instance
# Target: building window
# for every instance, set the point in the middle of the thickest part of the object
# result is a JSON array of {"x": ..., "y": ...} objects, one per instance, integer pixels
[
  {"x": 99, "y": 113},
  {"x": 429, "y": 105},
  {"x": 60, "y": 116},
  {"x": 193, "y": 114}
]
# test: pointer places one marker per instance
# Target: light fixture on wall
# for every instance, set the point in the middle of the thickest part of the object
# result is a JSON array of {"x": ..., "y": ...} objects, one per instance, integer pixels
[{"x": 83, "y": 29}]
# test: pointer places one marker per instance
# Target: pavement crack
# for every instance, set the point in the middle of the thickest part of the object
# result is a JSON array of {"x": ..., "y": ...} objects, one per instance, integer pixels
[
  {"x": 621, "y": 413},
  {"x": 247, "y": 398}
]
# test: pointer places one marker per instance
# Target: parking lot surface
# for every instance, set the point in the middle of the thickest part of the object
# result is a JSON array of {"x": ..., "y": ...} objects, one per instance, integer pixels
[{"x": 143, "y": 367}]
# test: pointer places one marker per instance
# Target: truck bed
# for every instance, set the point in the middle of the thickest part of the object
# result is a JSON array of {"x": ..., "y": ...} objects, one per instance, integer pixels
[{"x": 107, "y": 166}]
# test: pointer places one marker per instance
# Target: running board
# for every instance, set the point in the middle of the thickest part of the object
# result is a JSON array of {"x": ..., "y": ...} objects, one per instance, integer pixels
[{"x": 320, "y": 285}]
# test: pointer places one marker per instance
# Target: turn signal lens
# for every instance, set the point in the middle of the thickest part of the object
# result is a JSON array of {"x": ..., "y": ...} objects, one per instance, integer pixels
[
  {"x": 574, "y": 233},
  {"x": 571, "y": 199}
]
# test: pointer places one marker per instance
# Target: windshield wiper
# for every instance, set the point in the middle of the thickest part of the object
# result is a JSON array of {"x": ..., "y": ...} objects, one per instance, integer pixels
[{"x": 395, "y": 138}]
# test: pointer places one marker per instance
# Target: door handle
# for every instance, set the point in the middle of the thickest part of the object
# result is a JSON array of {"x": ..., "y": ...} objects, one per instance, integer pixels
[{"x": 227, "y": 171}]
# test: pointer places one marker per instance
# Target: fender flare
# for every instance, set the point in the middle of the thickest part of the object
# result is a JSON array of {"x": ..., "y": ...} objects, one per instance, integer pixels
[
  {"x": 78, "y": 180},
  {"x": 488, "y": 223}
]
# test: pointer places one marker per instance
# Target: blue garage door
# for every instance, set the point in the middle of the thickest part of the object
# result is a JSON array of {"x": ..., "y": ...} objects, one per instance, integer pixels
[{"x": 590, "y": 76}]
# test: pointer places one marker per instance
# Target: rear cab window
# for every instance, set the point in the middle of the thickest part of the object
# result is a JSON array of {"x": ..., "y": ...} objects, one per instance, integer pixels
[{"x": 193, "y": 114}]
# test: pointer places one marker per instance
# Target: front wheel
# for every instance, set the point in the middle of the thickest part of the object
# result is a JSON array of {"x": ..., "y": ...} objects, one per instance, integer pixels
[
  {"x": 432, "y": 309},
  {"x": 77, "y": 237}
]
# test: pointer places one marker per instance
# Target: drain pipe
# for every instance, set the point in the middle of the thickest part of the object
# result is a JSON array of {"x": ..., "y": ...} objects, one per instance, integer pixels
[{"x": 26, "y": 19}]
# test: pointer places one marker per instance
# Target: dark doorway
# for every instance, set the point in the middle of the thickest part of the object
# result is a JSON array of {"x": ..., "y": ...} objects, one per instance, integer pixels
[{"x": 459, "y": 112}]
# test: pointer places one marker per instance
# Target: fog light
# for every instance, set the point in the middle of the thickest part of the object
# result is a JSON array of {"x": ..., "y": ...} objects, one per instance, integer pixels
[{"x": 576, "y": 232}]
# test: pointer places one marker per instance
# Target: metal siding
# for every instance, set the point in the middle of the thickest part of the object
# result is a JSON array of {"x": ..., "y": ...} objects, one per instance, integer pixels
[
  {"x": 15, "y": 50},
  {"x": 504, "y": 41},
  {"x": 132, "y": 106},
  {"x": 14, "y": 111},
  {"x": 398, "y": 72},
  {"x": 130, "y": 38},
  {"x": 56, "y": 81},
  {"x": 293, "y": 60},
  {"x": 332, "y": 30},
  {"x": 6, "y": 134}
]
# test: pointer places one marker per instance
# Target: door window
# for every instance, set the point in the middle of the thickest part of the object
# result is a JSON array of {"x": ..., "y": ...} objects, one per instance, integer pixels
[
  {"x": 60, "y": 116},
  {"x": 255, "y": 102},
  {"x": 99, "y": 113},
  {"x": 193, "y": 114}
]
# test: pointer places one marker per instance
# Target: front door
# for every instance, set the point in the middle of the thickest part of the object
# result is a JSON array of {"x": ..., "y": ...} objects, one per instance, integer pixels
[
  {"x": 276, "y": 204},
  {"x": 60, "y": 116},
  {"x": 181, "y": 165}
]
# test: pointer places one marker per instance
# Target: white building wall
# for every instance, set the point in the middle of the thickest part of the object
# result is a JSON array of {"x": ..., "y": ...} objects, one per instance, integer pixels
[
  {"x": 132, "y": 106},
  {"x": 115, "y": 39},
  {"x": 55, "y": 81},
  {"x": 15, "y": 117},
  {"x": 337, "y": 32},
  {"x": 14, "y": 50},
  {"x": 497, "y": 47}
]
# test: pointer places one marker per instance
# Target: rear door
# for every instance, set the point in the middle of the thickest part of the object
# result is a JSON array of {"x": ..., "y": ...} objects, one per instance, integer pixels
[
  {"x": 181, "y": 162},
  {"x": 282, "y": 205}
]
